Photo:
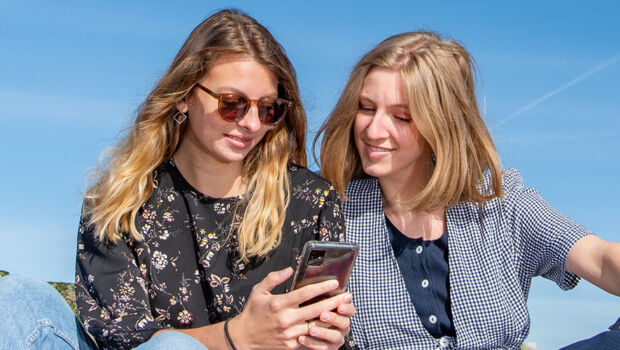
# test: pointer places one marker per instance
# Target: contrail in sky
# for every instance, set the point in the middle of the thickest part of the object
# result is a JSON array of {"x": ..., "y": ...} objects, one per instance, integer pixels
[{"x": 585, "y": 75}]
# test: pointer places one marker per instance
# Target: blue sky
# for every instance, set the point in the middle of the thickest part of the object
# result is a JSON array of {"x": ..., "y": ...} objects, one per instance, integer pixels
[{"x": 73, "y": 73}]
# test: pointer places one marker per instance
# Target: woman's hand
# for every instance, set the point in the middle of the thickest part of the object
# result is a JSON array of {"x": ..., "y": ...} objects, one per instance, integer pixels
[
  {"x": 332, "y": 327},
  {"x": 276, "y": 321}
]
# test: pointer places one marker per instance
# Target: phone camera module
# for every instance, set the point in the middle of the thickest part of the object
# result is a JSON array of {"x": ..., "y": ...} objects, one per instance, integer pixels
[{"x": 316, "y": 257}]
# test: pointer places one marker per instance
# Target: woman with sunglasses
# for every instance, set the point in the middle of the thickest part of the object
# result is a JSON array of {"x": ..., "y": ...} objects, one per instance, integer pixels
[
  {"x": 448, "y": 240},
  {"x": 189, "y": 235}
]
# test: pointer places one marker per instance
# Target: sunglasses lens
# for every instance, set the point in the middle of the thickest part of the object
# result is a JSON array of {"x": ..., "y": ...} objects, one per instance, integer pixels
[
  {"x": 233, "y": 108},
  {"x": 272, "y": 111}
]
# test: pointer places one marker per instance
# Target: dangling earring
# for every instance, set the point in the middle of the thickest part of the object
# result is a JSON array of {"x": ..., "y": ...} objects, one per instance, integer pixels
[
  {"x": 180, "y": 117},
  {"x": 433, "y": 159}
]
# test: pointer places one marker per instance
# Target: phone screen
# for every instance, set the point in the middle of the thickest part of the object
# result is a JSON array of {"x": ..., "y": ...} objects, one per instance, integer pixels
[{"x": 322, "y": 261}]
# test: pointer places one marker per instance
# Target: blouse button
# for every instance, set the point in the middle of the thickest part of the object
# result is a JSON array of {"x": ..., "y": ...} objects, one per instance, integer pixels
[
  {"x": 419, "y": 249},
  {"x": 432, "y": 319},
  {"x": 424, "y": 283},
  {"x": 444, "y": 342}
]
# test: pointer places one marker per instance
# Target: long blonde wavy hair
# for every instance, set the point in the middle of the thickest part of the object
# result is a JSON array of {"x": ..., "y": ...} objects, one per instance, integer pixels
[
  {"x": 438, "y": 78},
  {"x": 126, "y": 180}
]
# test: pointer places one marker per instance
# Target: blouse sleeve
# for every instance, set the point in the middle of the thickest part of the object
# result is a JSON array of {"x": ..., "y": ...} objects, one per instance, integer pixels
[
  {"x": 546, "y": 235},
  {"x": 331, "y": 228},
  {"x": 331, "y": 219},
  {"x": 111, "y": 292}
]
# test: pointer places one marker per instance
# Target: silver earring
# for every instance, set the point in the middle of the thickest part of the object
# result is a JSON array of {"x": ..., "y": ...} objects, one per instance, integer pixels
[{"x": 180, "y": 117}]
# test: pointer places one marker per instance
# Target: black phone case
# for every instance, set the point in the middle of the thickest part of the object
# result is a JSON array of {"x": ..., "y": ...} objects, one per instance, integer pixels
[{"x": 336, "y": 264}]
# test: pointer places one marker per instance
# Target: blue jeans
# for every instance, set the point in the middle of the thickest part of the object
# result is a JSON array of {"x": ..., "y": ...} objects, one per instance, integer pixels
[
  {"x": 608, "y": 340},
  {"x": 33, "y": 315}
]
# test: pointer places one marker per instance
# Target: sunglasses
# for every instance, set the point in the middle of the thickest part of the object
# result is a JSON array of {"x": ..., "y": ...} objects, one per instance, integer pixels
[{"x": 233, "y": 107}]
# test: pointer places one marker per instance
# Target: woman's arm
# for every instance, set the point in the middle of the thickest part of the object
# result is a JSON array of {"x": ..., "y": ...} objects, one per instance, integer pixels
[
  {"x": 111, "y": 292},
  {"x": 556, "y": 244},
  {"x": 598, "y": 261},
  {"x": 271, "y": 321}
]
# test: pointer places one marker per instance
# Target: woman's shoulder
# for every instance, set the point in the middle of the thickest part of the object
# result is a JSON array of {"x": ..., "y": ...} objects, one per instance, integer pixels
[
  {"x": 366, "y": 185},
  {"x": 302, "y": 176},
  {"x": 310, "y": 190},
  {"x": 512, "y": 180},
  {"x": 166, "y": 176}
]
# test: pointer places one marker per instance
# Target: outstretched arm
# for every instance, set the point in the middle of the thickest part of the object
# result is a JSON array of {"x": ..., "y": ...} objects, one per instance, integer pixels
[{"x": 598, "y": 261}]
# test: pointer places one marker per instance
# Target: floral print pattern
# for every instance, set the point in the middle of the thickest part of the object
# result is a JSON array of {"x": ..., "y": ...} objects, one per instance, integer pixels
[{"x": 186, "y": 272}]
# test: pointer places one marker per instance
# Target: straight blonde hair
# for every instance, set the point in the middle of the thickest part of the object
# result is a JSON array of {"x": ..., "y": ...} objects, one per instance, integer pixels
[
  {"x": 126, "y": 180},
  {"x": 438, "y": 78}
]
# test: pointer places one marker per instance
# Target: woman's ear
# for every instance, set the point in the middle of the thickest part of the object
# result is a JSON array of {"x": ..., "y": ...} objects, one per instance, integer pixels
[{"x": 182, "y": 106}]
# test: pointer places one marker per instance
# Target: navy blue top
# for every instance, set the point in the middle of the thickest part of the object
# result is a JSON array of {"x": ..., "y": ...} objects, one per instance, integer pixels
[{"x": 424, "y": 266}]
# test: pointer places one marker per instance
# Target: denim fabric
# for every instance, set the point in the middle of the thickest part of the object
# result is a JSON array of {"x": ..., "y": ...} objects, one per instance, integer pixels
[
  {"x": 33, "y": 315},
  {"x": 608, "y": 340},
  {"x": 172, "y": 340}
]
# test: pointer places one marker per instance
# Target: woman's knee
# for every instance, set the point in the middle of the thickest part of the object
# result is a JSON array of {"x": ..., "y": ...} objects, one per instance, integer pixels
[
  {"x": 34, "y": 315},
  {"x": 172, "y": 340},
  {"x": 28, "y": 294}
]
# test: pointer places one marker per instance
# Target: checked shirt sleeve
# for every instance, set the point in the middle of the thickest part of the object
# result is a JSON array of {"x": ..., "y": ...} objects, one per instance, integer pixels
[{"x": 544, "y": 234}]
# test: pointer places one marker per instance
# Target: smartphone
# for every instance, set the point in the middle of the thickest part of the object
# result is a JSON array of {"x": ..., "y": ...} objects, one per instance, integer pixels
[{"x": 321, "y": 261}]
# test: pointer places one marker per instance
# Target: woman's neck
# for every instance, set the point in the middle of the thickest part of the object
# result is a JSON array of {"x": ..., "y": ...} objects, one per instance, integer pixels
[
  {"x": 400, "y": 188},
  {"x": 429, "y": 225},
  {"x": 207, "y": 175}
]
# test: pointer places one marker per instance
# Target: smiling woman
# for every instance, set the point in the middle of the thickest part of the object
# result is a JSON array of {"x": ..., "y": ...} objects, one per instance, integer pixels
[
  {"x": 388, "y": 141},
  {"x": 449, "y": 241},
  {"x": 213, "y": 142},
  {"x": 182, "y": 241}
]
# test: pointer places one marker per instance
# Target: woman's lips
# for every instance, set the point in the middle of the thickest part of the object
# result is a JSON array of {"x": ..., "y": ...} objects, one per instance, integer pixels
[
  {"x": 375, "y": 152},
  {"x": 239, "y": 141}
]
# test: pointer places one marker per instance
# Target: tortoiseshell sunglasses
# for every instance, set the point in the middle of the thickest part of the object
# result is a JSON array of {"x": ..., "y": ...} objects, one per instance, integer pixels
[{"x": 233, "y": 107}]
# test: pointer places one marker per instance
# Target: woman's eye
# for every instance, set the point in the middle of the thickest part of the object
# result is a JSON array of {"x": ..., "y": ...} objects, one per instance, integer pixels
[
  {"x": 403, "y": 118},
  {"x": 366, "y": 108}
]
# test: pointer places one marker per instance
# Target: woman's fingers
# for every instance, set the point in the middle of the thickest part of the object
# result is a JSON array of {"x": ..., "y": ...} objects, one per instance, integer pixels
[
  {"x": 296, "y": 330},
  {"x": 306, "y": 293},
  {"x": 272, "y": 280},
  {"x": 322, "y": 338},
  {"x": 312, "y": 343},
  {"x": 313, "y": 311},
  {"x": 346, "y": 310},
  {"x": 330, "y": 318},
  {"x": 318, "y": 323}
]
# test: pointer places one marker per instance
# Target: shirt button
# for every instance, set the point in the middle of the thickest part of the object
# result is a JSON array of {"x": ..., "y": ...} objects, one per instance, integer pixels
[
  {"x": 432, "y": 319},
  {"x": 419, "y": 249},
  {"x": 424, "y": 283},
  {"x": 443, "y": 342}
]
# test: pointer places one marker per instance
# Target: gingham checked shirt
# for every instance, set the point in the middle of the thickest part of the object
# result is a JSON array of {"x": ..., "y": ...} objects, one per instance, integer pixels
[{"x": 494, "y": 251}]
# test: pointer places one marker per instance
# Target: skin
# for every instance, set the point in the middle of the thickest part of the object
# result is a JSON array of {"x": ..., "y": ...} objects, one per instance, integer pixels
[
  {"x": 392, "y": 150},
  {"x": 597, "y": 261},
  {"x": 210, "y": 157},
  {"x": 212, "y": 150}
]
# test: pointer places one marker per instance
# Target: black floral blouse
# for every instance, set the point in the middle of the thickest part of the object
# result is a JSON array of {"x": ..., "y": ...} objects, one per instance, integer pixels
[{"x": 186, "y": 271}]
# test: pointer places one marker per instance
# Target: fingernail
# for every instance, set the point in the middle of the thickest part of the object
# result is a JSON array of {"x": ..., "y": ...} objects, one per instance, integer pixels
[
  {"x": 285, "y": 271},
  {"x": 302, "y": 339},
  {"x": 333, "y": 284},
  {"x": 314, "y": 330},
  {"x": 348, "y": 297},
  {"x": 324, "y": 316}
]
